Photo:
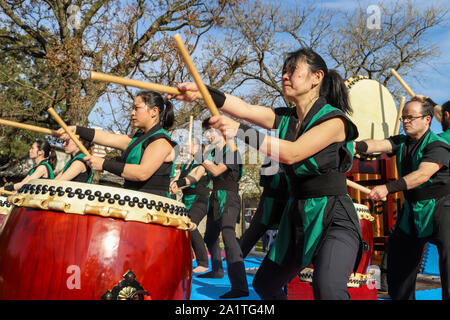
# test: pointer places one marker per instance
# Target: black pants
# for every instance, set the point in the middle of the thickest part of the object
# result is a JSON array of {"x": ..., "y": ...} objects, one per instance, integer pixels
[
  {"x": 405, "y": 252},
  {"x": 333, "y": 265},
  {"x": 235, "y": 262},
  {"x": 196, "y": 213},
  {"x": 256, "y": 230}
]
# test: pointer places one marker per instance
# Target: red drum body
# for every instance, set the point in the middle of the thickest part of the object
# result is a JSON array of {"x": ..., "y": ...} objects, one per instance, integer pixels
[
  {"x": 366, "y": 221},
  {"x": 49, "y": 254}
]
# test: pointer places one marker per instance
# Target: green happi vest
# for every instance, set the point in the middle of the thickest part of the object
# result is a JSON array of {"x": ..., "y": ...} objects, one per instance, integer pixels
[
  {"x": 221, "y": 194},
  {"x": 421, "y": 212},
  {"x": 134, "y": 151},
  {"x": 313, "y": 209},
  {"x": 445, "y": 135},
  {"x": 276, "y": 183},
  {"x": 89, "y": 172},
  {"x": 189, "y": 199},
  {"x": 51, "y": 175},
  {"x": 133, "y": 155}
]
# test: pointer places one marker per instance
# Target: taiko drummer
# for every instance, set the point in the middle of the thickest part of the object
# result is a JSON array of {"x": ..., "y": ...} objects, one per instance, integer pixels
[
  {"x": 320, "y": 223},
  {"x": 148, "y": 155},
  {"x": 44, "y": 157}
]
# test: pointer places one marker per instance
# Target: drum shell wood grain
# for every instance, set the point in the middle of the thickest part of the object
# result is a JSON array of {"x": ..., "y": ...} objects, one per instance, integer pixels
[{"x": 41, "y": 252}]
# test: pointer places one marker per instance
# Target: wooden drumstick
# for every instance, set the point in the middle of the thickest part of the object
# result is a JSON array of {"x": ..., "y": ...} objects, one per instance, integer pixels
[
  {"x": 438, "y": 113},
  {"x": 437, "y": 108},
  {"x": 198, "y": 80},
  {"x": 6, "y": 192},
  {"x": 399, "y": 114},
  {"x": 27, "y": 127},
  {"x": 68, "y": 131},
  {"x": 357, "y": 186},
  {"x": 403, "y": 83},
  {"x": 135, "y": 83},
  {"x": 191, "y": 119}
]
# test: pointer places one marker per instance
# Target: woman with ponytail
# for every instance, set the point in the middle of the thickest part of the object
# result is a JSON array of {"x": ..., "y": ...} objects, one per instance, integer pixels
[
  {"x": 76, "y": 169},
  {"x": 44, "y": 157},
  {"x": 148, "y": 156},
  {"x": 319, "y": 224}
]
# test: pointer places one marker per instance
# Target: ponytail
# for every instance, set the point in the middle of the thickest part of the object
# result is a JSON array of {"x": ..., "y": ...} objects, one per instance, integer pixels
[
  {"x": 332, "y": 88},
  {"x": 86, "y": 143},
  {"x": 167, "y": 117},
  {"x": 335, "y": 91},
  {"x": 52, "y": 159},
  {"x": 49, "y": 152}
]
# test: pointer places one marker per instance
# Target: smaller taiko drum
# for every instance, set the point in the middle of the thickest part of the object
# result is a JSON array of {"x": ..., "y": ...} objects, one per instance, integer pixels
[
  {"x": 365, "y": 220},
  {"x": 75, "y": 241},
  {"x": 5, "y": 209},
  {"x": 358, "y": 282}
]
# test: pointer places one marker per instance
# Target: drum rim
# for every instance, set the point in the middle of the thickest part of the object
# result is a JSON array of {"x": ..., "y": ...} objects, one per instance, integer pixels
[
  {"x": 356, "y": 279},
  {"x": 171, "y": 213},
  {"x": 365, "y": 214}
]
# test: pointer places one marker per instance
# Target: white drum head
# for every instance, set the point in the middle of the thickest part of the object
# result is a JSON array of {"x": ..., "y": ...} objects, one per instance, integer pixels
[{"x": 374, "y": 109}]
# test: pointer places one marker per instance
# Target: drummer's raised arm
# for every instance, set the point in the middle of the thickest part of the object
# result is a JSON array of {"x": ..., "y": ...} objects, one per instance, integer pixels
[
  {"x": 234, "y": 106},
  {"x": 98, "y": 136}
]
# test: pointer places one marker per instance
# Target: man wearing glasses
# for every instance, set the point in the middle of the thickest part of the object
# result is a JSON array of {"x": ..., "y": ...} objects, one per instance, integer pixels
[{"x": 424, "y": 178}]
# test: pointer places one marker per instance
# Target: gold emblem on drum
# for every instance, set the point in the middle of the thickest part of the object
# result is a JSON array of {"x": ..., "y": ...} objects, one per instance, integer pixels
[
  {"x": 126, "y": 289},
  {"x": 81, "y": 198},
  {"x": 126, "y": 293}
]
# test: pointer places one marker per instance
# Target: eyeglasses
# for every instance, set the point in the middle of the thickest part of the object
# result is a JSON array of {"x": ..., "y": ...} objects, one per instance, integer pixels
[{"x": 410, "y": 118}]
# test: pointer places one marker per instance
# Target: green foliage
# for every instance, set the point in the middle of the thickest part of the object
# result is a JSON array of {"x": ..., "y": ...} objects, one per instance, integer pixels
[{"x": 26, "y": 90}]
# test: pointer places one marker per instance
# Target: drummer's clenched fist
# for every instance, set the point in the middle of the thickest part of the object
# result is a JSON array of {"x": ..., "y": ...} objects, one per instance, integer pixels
[
  {"x": 379, "y": 193},
  {"x": 95, "y": 163},
  {"x": 190, "y": 96},
  {"x": 63, "y": 134}
]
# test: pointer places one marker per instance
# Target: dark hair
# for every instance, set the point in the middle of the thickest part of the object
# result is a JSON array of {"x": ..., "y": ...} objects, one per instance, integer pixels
[
  {"x": 205, "y": 123},
  {"x": 427, "y": 106},
  {"x": 333, "y": 87},
  {"x": 86, "y": 143},
  {"x": 49, "y": 152},
  {"x": 446, "y": 107},
  {"x": 445, "y": 122},
  {"x": 165, "y": 107}
]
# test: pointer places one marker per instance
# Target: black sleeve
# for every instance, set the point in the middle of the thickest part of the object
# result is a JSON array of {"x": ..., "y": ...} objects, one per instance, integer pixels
[
  {"x": 395, "y": 142},
  {"x": 279, "y": 113},
  {"x": 233, "y": 162},
  {"x": 437, "y": 152}
]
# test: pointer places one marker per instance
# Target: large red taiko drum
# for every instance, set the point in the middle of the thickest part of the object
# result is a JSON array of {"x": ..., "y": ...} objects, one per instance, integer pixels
[{"x": 66, "y": 240}]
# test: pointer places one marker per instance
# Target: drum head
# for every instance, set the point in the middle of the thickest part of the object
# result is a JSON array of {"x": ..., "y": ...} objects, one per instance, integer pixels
[
  {"x": 83, "y": 198},
  {"x": 374, "y": 109}
]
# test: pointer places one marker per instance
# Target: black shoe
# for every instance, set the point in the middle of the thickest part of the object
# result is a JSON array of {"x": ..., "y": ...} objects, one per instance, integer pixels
[
  {"x": 212, "y": 275},
  {"x": 234, "y": 293},
  {"x": 383, "y": 282}
]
